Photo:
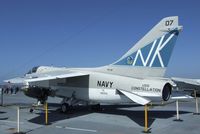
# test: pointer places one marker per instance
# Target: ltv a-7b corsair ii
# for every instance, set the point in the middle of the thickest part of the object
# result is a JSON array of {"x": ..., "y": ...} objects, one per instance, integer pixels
[{"x": 136, "y": 77}]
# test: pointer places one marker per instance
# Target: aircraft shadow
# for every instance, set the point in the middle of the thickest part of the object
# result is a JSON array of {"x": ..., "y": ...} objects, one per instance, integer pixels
[
  {"x": 137, "y": 116},
  {"x": 3, "y": 118},
  {"x": 55, "y": 114},
  {"x": 2, "y": 112}
]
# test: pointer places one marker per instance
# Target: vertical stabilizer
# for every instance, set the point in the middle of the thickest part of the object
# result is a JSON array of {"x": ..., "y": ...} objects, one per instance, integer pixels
[{"x": 150, "y": 55}]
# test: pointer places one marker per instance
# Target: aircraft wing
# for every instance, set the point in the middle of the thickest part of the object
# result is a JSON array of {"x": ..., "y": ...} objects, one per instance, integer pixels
[
  {"x": 52, "y": 77},
  {"x": 189, "y": 84},
  {"x": 17, "y": 80},
  {"x": 44, "y": 77}
]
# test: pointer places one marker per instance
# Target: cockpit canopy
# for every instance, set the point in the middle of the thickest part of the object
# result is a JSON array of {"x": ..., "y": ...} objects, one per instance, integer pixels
[
  {"x": 33, "y": 70},
  {"x": 43, "y": 69}
]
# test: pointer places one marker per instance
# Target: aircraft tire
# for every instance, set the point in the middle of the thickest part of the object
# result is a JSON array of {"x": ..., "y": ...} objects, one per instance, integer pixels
[
  {"x": 64, "y": 107},
  {"x": 96, "y": 107}
]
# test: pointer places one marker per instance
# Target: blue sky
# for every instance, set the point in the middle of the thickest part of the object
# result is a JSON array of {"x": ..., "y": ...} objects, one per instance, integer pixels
[{"x": 90, "y": 33}]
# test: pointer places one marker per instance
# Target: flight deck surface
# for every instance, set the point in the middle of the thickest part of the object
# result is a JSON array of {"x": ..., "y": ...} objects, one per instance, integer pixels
[{"x": 112, "y": 119}]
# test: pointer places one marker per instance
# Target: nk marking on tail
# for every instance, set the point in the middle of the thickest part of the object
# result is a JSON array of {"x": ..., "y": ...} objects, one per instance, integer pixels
[
  {"x": 155, "y": 48},
  {"x": 154, "y": 57}
]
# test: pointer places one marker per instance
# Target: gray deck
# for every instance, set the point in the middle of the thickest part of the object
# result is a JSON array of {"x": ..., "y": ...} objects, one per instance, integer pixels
[{"x": 126, "y": 119}]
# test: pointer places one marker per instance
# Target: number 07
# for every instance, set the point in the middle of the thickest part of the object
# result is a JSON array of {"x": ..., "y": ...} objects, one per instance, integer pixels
[{"x": 169, "y": 22}]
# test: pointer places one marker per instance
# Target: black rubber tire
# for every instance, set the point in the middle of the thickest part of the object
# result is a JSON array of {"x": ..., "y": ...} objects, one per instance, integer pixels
[
  {"x": 64, "y": 108},
  {"x": 96, "y": 107},
  {"x": 31, "y": 110}
]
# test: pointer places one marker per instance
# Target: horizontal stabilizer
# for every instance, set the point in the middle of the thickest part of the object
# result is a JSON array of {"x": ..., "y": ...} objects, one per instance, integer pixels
[
  {"x": 188, "y": 81},
  {"x": 189, "y": 84},
  {"x": 134, "y": 97},
  {"x": 180, "y": 95}
]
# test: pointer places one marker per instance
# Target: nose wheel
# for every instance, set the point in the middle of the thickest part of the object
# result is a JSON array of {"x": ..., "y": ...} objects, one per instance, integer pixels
[{"x": 64, "y": 107}]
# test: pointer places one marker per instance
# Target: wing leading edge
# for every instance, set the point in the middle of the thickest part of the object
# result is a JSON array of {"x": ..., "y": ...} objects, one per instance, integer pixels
[
  {"x": 62, "y": 76},
  {"x": 44, "y": 77}
]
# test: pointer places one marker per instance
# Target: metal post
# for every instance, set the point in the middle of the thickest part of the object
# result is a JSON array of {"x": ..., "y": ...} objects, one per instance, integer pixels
[
  {"x": 18, "y": 127},
  {"x": 146, "y": 119},
  {"x": 146, "y": 130},
  {"x": 197, "y": 105},
  {"x": 46, "y": 113},
  {"x": 177, "y": 112},
  {"x": 2, "y": 91}
]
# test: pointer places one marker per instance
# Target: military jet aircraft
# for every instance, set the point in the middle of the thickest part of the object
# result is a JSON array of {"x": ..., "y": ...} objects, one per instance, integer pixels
[{"x": 136, "y": 77}]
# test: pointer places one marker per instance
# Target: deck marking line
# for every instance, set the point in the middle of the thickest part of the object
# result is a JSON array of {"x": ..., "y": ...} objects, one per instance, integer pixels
[
  {"x": 78, "y": 129},
  {"x": 4, "y": 121}
]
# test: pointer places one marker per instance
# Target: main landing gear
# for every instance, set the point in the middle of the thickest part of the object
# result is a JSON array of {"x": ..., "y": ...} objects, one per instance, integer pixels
[
  {"x": 96, "y": 107},
  {"x": 68, "y": 103},
  {"x": 65, "y": 107}
]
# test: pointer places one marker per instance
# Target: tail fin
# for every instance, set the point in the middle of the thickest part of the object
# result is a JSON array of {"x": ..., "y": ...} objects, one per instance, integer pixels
[{"x": 153, "y": 51}]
